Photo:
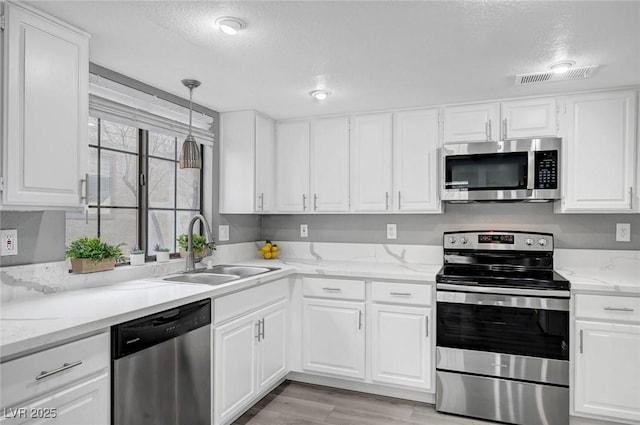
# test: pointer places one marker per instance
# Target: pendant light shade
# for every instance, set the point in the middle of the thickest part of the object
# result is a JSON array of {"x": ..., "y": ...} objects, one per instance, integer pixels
[{"x": 190, "y": 152}]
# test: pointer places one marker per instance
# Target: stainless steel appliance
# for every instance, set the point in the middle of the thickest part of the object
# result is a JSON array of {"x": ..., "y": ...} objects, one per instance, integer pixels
[
  {"x": 502, "y": 329},
  {"x": 511, "y": 170},
  {"x": 161, "y": 368}
]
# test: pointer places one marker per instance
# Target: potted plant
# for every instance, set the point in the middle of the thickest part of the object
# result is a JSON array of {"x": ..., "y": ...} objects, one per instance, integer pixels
[
  {"x": 90, "y": 255},
  {"x": 200, "y": 246},
  {"x": 136, "y": 256},
  {"x": 162, "y": 253}
]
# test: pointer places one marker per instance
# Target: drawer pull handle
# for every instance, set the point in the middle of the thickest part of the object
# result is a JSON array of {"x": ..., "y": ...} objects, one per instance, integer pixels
[
  {"x": 499, "y": 365},
  {"x": 400, "y": 294},
  {"x": 618, "y": 309},
  {"x": 581, "y": 341},
  {"x": 65, "y": 366},
  {"x": 332, "y": 289},
  {"x": 426, "y": 325},
  {"x": 359, "y": 319}
]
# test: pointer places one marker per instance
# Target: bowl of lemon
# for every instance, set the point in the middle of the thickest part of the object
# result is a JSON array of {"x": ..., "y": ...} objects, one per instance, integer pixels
[{"x": 269, "y": 250}]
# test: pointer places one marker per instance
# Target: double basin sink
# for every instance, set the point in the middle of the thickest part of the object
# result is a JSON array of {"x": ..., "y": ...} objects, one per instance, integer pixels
[{"x": 218, "y": 275}]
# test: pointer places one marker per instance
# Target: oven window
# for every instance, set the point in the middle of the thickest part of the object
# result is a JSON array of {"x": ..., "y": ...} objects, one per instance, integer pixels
[
  {"x": 490, "y": 171},
  {"x": 520, "y": 331}
]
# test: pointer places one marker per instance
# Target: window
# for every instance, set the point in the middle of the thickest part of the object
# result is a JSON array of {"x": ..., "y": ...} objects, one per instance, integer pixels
[{"x": 137, "y": 193}]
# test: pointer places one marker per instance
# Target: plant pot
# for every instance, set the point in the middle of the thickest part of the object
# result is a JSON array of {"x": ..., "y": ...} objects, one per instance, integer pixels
[
  {"x": 136, "y": 259},
  {"x": 162, "y": 256},
  {"x": 86, "y": 265}
]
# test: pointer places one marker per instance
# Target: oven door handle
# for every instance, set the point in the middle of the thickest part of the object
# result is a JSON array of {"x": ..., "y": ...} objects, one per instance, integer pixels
[
  {"x": 500, "y": 300},
  {"x": 544, "y": 293}
]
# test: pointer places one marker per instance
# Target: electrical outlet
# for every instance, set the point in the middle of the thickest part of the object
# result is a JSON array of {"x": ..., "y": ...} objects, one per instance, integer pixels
[
  {"x": 392, "y": 231},
  {"x": 9, "y": 242},
  {"x": 223, "y": 232},
  {"x": 304, "y": 231},
  {"x": 623, "y": 232}
]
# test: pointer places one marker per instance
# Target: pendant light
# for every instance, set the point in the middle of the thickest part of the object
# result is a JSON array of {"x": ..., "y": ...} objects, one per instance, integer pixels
[{"x": 190, "y": 152}]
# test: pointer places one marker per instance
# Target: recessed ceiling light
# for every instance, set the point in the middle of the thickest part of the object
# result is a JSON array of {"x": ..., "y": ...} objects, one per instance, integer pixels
[
  {"x": 229, "y": 25},
  {"x": 320, "y": 94},
  {"x": 562, "y": 66}
]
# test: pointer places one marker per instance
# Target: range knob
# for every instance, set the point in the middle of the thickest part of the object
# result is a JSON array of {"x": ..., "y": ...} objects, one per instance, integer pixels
[
  {"x": 528, "y": 241},
  {"x": 452, "y": 239},
  {"x": 542, "y": 242},
  {"x": 464, "y": 240}
]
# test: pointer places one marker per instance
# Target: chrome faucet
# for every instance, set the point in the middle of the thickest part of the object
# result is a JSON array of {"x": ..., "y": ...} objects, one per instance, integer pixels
[{"x": 190, "y": 264}]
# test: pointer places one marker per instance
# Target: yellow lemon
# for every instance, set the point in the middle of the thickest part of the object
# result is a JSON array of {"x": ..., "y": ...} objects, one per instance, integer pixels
[
  {"x": 267, "y": 255},
  {"x": 274, "y": 254},
  {"x": 274, "y": 248}
]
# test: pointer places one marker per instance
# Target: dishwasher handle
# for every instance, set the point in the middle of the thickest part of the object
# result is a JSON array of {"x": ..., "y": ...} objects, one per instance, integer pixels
[{"x": 136, "y": 335}]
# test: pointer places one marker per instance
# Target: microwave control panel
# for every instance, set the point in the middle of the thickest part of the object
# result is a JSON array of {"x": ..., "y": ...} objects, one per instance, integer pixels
[{"x": 546, "y": 173}]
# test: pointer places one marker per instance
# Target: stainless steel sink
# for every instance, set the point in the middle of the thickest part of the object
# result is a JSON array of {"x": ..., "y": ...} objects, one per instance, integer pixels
[{"x": 219, "y": 274}]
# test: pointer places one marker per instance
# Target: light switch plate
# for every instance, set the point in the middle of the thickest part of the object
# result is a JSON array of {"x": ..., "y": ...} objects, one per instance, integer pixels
[
  {"x": 9, "y": 242},
  {"x": 304, "y": 231},
  {"x": 623, "y": 232},
  {"x": 223, "y": 232},
  {"x": 392, "y": 231}
]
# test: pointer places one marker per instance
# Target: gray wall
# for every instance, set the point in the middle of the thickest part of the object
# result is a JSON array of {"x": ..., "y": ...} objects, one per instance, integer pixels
[
  {"x": 40, "y": 236},
  {"x": 586, "y": 231}
]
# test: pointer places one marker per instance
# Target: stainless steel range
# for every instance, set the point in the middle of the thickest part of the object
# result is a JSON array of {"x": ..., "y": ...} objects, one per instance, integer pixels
[{"x": 502, "y": 329}]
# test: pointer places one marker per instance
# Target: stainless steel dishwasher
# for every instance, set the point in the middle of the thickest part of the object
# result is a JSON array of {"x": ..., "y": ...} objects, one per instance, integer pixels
[{"x": 162, "y": 368}]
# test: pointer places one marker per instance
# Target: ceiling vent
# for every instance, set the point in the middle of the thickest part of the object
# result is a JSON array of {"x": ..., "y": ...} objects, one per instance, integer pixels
[{"x": 550, "y": 76}]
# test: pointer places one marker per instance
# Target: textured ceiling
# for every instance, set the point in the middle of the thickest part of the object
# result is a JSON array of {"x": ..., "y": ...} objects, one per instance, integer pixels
[{"x": 371, "y": 55}]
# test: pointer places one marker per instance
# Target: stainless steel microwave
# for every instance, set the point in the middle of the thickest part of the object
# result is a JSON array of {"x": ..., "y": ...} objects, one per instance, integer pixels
[{"x": 511, "y": 170}]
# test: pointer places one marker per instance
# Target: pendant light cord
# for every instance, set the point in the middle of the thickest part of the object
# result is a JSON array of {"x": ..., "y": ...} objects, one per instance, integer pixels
[{"x": 190, "y": 107}]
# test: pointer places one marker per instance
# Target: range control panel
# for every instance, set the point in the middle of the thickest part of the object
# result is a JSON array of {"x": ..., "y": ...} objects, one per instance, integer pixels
[{"x": 498, "y": 240}]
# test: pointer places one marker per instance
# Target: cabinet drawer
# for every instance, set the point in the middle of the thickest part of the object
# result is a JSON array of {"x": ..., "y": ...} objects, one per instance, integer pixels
[
  {"x": 401, "y": 293},
  {"x": 28, "y": 376},
  {"x": 333, "y": 288},
  {"x": 230, "y": 306},
  {"x": 608, "y": 307}
]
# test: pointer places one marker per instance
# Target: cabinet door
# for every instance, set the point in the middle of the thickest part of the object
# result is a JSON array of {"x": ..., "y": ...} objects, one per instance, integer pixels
[
  {"x": 599, "y": 153},
  {"x": 401, "y": 345},
  {"x": 607, "y": 370},
  {"x": 471, "y": 123},
  {"x": 529, "y": 118},
  {"x": 371, "y": 150},
  {"x": 330, "y": 164},
  {"x": 272, "y": 348},
  {"x": 333, "y": 337},
  {"x": 46, "y": 104},
  {"x": 292, "y": 165},
  {"x": 415, "y": 161},
  {"x": 237, "y": 160},
  {"x": 264, "y": 160},
  {"x": 85, "y": 403},
  {"x": 234, "y": 366}
]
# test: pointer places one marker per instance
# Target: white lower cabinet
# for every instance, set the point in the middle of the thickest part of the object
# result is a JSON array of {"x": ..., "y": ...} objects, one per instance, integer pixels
[
  {"x": 401, "y": 345},
  {"x": 249, "y": 357},
  {"x": 607, "y": 370},
  {"x": 65, "y": 385},
  {"x": 606, "y": 357},
  {"x": 333, "y": 337}
]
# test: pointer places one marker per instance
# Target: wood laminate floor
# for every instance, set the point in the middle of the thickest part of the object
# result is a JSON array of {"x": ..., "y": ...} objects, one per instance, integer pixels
[{"x": 294, "y": 403}]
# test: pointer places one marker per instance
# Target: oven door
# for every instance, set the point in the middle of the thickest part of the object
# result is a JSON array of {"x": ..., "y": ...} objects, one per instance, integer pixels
[{"x": 504, "y": 324}]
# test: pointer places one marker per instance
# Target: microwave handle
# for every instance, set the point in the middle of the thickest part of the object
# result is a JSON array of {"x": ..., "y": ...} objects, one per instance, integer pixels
[{"x": 531, "y": 170}]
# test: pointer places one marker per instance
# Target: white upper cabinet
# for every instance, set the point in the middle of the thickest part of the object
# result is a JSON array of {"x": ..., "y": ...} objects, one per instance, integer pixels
[
  {"x": 292, "y": 165},
  {"x": 514, "y": 119},
  {"x": 472, "y": 123},
  {"x": 44, "y": 144},
  {"x": 371, "y": 159},
  {"x": 330, "y": 165},
  {"x": 415, "y": 161},
  {"x": 265, "y": 170},
  {"x": 599, "y": 153},
  {"x": 529, "y": 118},
  {"x": 246, "y": 162}
]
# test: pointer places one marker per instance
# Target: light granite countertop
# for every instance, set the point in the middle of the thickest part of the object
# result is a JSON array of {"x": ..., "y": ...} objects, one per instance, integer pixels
[{"x": 37, "y": 322}]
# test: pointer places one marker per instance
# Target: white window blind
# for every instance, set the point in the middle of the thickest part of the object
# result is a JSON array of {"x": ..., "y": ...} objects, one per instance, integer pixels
[{"x": 116, "y": 102}]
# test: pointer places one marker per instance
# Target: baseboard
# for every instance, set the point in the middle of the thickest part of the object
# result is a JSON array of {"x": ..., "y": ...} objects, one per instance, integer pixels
[
  {"x": 578, "y": 420},
  {"x": 363, "y": 387}
]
